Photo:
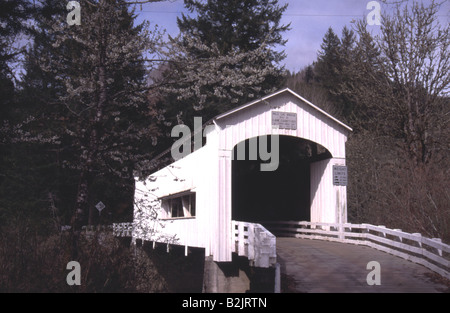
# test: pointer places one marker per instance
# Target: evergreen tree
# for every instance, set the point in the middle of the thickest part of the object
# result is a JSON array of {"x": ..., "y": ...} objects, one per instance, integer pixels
[
  {"x": 13, "y": 15},
  {"x": 344, "y": 74},
  {"x": 36, "y": 178},
  {"x": 334, "y": 70},
  {"x": 309, "y": 74},
  {"x": 361, "y": 64},
  {"x": 224, "y": 56},
  {"x": 304, "y": 83},
  {"x": 328, "y": 61},
  {"x": 99, "y": 119},
  {"x": 236, "y": 25}
]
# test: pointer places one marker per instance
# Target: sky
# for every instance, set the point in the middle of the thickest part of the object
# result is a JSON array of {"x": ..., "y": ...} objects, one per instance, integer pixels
[{"x": 309, "y": 20}]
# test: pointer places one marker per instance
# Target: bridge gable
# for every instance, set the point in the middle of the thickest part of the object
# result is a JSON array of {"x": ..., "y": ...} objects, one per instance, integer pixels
[{"x": 255, "y": 119}]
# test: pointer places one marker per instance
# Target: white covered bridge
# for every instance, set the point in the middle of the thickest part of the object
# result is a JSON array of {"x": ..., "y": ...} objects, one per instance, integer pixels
[{"x": 269, "y": 160}]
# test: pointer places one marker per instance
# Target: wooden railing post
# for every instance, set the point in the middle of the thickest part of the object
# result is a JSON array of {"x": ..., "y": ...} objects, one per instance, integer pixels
[
  {"x": 398, "y": 238},
  {"x": 439, "y": 251},
  {"x": 384, "y": 233},
  {"x": 341, "y": 232},
  {"x": 419, "y": 239},
  {"x": 251, "y": 241},
  {"x": 241, "y": 241}
]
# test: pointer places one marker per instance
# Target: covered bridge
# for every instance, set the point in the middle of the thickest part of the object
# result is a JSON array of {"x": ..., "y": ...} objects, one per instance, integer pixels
[{"x": 271, "y": 159}]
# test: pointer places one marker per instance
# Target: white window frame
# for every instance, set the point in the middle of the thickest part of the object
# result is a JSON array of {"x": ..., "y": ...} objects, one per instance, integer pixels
[{"x": 188, "y": 205}]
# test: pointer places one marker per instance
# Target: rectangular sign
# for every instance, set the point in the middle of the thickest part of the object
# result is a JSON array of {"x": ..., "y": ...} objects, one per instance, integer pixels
[
  {"x": 339, "y": 175},
  {"x": 284, "y": 120}
]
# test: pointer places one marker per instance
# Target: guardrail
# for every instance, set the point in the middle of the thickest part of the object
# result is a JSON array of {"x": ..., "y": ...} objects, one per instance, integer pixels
[
  {"x": 429, "y": 252},
  {"x": 255, "y": 242},
  {"x": 250, "y": 239},
  {"x": 122, "y": 229}
]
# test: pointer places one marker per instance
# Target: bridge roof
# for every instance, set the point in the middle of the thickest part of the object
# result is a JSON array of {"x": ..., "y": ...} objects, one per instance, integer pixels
[{"x": 282, "y": 91}]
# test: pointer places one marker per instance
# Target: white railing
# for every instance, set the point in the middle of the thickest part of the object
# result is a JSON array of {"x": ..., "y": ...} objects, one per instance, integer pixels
[
  {"x": 249, "y": 239},
  {"x": 123, "y": 229},
  {"x": 96, "y": 228},
  {"x": 431, "y": 253},
  {"x": 255, "y": 242}
]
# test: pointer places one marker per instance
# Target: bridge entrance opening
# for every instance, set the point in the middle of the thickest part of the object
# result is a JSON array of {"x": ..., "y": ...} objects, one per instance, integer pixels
[{"x": 279, "y": 195}]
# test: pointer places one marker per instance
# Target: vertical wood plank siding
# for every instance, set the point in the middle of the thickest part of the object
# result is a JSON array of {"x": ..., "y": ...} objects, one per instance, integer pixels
[{"x": 207, "y": 172}]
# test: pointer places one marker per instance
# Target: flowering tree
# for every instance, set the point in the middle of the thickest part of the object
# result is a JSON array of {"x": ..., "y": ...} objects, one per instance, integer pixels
[{"x": 90, "y": 81}]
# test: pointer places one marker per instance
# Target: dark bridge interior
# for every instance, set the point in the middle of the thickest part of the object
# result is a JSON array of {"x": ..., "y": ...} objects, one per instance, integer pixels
[{"x": 283, "y": 194}]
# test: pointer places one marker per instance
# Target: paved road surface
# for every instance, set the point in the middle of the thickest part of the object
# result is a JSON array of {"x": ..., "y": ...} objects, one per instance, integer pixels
[{"x": 322, "y": 266}]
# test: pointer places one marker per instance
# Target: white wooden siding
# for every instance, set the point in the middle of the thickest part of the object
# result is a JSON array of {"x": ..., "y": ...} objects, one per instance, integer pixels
[
  {"x": 328, "y": 202},
  {"x": 207, "y": 172},
  {"x": 256, "y": 121}
]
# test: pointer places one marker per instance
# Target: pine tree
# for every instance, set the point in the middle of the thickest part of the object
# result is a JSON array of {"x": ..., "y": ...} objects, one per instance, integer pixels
[
  {"x": 224, "y": 56},
  {"x": 328, "y": 61},
  {"x": 361, "y": 63},
  {"x": 344, "y": 74},
  {"x": 236, "y": 25},
  {"x": 334, "y": 70}
]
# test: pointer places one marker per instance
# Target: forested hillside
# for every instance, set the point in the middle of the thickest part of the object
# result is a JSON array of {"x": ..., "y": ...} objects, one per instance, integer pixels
[{"x": 392, "y": 88}]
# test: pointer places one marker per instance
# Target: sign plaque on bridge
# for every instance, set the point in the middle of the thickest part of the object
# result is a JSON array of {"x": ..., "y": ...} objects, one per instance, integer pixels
[
  {"x": 339, "y": 175},
  {"x": 284, "y": 120}
]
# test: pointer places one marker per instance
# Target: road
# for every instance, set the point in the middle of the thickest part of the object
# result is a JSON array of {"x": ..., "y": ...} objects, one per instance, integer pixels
[{"x": 315, "y": 266}]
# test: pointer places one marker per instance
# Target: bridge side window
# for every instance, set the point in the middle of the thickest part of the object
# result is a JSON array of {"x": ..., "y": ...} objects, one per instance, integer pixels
[
  {"x": 181, "y": 206},
  {"x": 176, "y": 207}
]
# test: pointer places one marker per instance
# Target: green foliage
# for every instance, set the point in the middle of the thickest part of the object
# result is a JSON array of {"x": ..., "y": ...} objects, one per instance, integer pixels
[
  {"x": 328, "y": 61},
  {"x": 224, "y": 56},
  {"x": 236, "y": 25},
  {"x": 332, "y": 70}
]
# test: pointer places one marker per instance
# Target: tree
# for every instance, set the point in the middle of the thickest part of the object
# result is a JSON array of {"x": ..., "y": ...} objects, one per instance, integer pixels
[
  {"x": 398, "y": 155},
  {"x": 328, "y": 61},
  {"x": 224, "y": 56},
  {"x": 325, "y": 81},
  {"x": 345, "y": 79},
  {"x": 412, "y": 95},
  {"x": 13, "y": 15},
  {"x": 334, "y": 70},
  {"x": 236, "y": 25},
  {"x": 100, "y": 118},
  {"x": 305, "y": 84},
  {"x": 13, "y": 31}
]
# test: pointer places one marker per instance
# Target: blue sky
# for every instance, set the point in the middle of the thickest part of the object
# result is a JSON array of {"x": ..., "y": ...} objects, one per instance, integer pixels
[{"x": 309, "y": 20}]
